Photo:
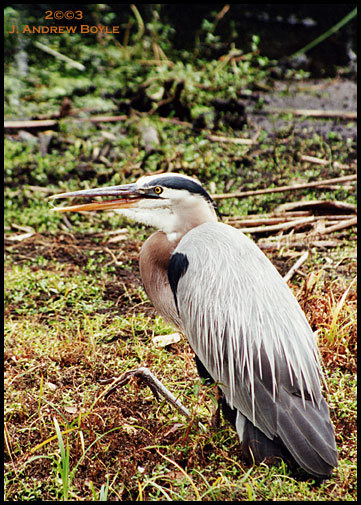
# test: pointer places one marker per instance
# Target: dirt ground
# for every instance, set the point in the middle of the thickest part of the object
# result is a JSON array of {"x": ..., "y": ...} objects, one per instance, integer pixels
[{"x": 336, "y": 95}]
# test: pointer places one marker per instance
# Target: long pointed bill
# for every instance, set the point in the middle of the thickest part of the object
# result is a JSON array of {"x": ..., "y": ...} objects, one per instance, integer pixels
[{"x": 126, "y": 196}]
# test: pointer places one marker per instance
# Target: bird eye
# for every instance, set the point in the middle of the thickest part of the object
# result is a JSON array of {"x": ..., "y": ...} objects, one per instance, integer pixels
[{"x": 158, "y": 190}]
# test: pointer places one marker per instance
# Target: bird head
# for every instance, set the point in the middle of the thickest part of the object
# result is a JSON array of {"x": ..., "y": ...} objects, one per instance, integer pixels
[{"x": 173, "y": 203}]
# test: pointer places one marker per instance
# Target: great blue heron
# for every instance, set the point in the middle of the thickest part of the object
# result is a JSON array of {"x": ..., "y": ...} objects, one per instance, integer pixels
[{"x": 246, "y": 328}]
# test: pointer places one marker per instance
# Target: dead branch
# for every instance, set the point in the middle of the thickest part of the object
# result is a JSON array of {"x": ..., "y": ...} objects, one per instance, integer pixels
[
  {"x": 260, "y": 222},
  {"x": 48, "y": 123},
  {"x": 335, "y": 187},
  {"x": 281, "y": 226},
  {"x": 275, "y": 214},
  {"x": 22, "y": 227},
  {"x": 19, "y": 125},
  {"x": 103, "y": 119},
  {"x": 156, "y": 62},
  {"x": 306, "y": 239},
  {"x": 283, "y": 219},
  {"x": 297, "y": 223},
  {"x": 232, "y": 140},
  {"x": 320, "y": 161},
  {"x": 314, "y": 184},
  {"x": 297, "y": 265},
  {"x": 67, "y": 223},
  {"x": 317, "y": 205},
  {"x": 340, "y": 226},
  {"x": 311, "y": 112},
  {"x": 119, "y": 231},
  {"x": 19, "y": 238},
  {"x": 300, "y": 245},
  {"x": 59, "y": 56}
]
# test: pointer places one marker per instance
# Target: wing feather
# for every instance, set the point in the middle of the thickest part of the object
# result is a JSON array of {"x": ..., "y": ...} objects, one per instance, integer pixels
[
  {"x": 249, "y": 332},
  {"x": 233, "y": 302}
]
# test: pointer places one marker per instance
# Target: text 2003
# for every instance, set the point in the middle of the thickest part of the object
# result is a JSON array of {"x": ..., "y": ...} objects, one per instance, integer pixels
[{"x": 58, "y": 15}]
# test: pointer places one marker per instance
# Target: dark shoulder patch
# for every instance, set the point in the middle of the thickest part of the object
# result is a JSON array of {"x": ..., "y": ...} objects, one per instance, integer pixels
[{"x": 177, "y": 267}]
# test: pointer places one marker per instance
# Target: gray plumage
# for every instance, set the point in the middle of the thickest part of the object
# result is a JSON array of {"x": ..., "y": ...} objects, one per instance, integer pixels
[
  {"x": 253, "y": 338},
  {"x": 245, "y": 326}
]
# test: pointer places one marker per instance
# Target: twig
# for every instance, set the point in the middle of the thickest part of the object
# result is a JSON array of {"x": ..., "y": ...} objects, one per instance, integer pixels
[
  {"x": 114, "y": 258},
  {"x": 259, "y": 222},
  {"x": 300, "y": 222},
  {"x": 300, "y": 244},
  {"x": 44, "y": 123},
  {"x": 285, "y": 219},
  {"x": 103, "y": 119},
  {"x": 28, "y": 229},
  {"x": 320, "y": 161},
  {"x": 275, "y": 214},
  {"x": 281, "y": 226},
  {"x": 59, "y": 56},
  {"x": 316, "y": 205},
  {"x": 119, "y": 231},
  {"x": 243, "y": 194},
  {"x": 48, "y": 123},
  {"x": 20, "y": 238},
  {"x": 335, "y": 187},
  {"x": 340, "y": 226},
  {"x": 232, "y": 140},
  {"x": 67, "y": 222},
  {"x": 153, "y": 62},
  {"x": 297, "y": 265},
  {"x": 310, "y": 112}
]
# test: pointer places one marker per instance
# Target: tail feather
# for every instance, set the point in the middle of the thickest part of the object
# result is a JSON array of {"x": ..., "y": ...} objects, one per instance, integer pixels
[
  {"x": 304, "y": 436},
  {"x": 309, "y": 436},
  {"x": 258, "y": 447},
  {"x": 296, "y": 430}
]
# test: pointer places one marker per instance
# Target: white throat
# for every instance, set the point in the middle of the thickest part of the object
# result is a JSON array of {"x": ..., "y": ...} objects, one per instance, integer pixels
[{"x": 173, "y": 216}]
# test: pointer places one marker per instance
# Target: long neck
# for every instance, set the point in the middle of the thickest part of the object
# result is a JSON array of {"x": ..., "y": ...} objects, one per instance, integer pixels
[
  {"x": 194, "y": 215},
  {"x": 153, "y": 264},
  {"x": 155, "y": 254}
]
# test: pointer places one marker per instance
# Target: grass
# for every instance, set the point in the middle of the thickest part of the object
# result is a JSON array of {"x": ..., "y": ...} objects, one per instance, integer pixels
[
  {"x": 63, "y": 333},
  {"x": 75, "y": 309}
]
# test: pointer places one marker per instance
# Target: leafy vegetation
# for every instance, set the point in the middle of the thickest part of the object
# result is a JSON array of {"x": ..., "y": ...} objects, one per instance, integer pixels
[{"x": 75, "y": 310}]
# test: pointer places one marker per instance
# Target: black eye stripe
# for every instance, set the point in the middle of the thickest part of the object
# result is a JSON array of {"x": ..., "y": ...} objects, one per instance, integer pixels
[
  {"x": 181, "y": 183},
  {"x": 173, "y": 182}
]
